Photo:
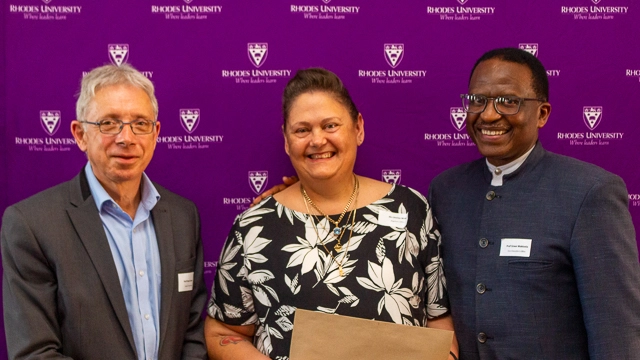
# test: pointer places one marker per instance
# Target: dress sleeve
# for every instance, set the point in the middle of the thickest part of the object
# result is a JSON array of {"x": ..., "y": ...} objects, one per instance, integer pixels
[
  {"x": 437, "y": 299},
  {"x": 605, "y": 259},
  {"x": 231, "y": 296}
]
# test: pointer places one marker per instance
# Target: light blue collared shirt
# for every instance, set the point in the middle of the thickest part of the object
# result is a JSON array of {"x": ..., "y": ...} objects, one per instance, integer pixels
[{"x": 134, "y": 248}]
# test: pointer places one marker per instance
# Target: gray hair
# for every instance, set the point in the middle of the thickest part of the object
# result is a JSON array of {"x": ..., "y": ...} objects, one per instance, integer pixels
[{"x": 108, "y": 75}]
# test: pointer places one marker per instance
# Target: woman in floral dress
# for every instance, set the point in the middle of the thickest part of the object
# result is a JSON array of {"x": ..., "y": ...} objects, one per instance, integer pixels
[{"x": 334, "y": 242}]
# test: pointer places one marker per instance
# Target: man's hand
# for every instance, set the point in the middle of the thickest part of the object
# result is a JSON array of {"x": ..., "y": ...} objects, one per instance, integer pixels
[{"x": 287, "y": 181}]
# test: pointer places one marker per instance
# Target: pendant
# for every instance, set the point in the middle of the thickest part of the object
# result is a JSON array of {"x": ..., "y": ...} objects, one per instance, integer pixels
[
  {"x": 338, "y": 248},
  {"x": 337, "y": 231},
  {"x": 340, "y": 271}
]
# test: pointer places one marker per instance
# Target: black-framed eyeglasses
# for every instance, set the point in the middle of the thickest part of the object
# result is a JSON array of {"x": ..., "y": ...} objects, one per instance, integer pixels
[
  {"x": 115, "y": 126},
  {"x": 504, "y": 105}
]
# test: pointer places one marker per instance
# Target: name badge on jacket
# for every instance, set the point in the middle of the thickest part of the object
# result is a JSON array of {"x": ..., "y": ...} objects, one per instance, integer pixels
[
  {"x": 515, "y": 247},
  {"x": 185, "y": 282}
]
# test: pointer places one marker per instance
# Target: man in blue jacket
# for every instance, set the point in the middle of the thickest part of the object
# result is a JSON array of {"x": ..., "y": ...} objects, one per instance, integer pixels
[{"x": 539, "y": 249}]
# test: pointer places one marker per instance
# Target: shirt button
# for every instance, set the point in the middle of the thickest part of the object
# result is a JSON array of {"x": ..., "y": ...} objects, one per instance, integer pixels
[
  {"x": 481, "y": 288},
  {"x": 490, "y": 195},
  {"x": 146, "y": 316},
  {"x": 141, "y": 273},
  {"x": 483, "y": 243},
  {"x": 482, "y": 338}
]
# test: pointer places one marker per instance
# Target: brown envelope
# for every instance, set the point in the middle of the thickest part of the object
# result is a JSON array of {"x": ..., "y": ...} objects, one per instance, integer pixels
[{"x": 320, "y": 336}]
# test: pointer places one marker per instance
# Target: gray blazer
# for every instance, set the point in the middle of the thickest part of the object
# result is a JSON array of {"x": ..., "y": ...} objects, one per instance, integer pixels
[
  {"x": 576, "y": 296},
  {"x": 61, "y": 293}
]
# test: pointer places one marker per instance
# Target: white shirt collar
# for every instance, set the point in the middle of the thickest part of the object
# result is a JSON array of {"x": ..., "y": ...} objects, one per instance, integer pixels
[{"x": 497, "y": 172}]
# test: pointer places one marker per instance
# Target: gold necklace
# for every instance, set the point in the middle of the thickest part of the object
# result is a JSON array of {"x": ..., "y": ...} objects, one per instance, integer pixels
[
  {"x": 337, "y": 230},
  {"x": 353, "y": 221},
  {"x": 338, "y": 246}
]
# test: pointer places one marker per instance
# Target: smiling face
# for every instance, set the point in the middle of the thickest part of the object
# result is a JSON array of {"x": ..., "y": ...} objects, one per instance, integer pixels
[
  {"x": 117, "y": 159},
  {"x": 504, "y": 138},
  {"x": 321, "y": 138}
]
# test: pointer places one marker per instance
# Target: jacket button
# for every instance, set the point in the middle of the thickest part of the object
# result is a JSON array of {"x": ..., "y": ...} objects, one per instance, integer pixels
[
  {"x": 481, "y": 288},
  {"x": 482, "y": 338},
  {"x": 490, "y": 195},
  {"x": 483, "y": 243}
]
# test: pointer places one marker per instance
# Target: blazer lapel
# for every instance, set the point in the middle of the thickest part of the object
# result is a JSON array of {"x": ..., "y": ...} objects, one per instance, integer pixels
[
  {"x": 162, "y": 223},
  {"x": 86, "y": 220}
]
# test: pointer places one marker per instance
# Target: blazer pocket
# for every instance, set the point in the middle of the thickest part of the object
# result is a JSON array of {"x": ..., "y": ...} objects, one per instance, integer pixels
[
  {"x": 530, "y": 265},
  {"x": 188, "y": 265}
]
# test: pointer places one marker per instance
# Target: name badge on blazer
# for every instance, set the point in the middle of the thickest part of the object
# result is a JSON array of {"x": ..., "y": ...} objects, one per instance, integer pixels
[
  {"x": 185, "y": 282},
  {"x": 515, "y": 247}
]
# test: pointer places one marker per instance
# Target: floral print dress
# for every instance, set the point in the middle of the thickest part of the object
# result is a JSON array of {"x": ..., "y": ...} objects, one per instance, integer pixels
[{"x": 274, "y": 262}]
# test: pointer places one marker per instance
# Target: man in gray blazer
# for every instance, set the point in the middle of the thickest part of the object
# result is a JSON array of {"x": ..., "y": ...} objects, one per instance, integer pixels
[
  {"x": 107, "y": 265},
  {"x": 539, "y": 249}
]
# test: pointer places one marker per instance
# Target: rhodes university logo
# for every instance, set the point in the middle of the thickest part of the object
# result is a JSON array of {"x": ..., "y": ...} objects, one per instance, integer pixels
[
  {"x": 258, "y": 180},
  {"x": 391, "y": 176},
  {"x": 462, "y": 2},
  {"x": 458, "y": 117},
  {"x": 257, "y": 53},
  {"x": 592, "y": 116},
  {"x": 50, "y": 121},
  {"x": 596, "y": 1},
  {"x": 189, "y": 119},
  {"x": 118, "y": 53},
  {"x": 531, "y": 48},
  {"x": 393, "y": 54}
]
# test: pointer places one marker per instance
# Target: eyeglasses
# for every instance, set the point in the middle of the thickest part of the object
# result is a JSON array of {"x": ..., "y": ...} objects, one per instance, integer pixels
[
  {"x": 504, "y": 105},
  {"x": 115, "y": 126}
]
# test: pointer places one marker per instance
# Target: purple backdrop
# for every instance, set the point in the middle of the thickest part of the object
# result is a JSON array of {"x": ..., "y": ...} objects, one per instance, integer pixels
[{"x": 220, "y": 67}]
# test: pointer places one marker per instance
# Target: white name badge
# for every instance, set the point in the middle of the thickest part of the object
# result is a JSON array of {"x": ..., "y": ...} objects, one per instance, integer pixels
[
  {"x": 515, "y": 247},
  {"x": 388, "y": 218},
  {"x": 185, "y": 282}
]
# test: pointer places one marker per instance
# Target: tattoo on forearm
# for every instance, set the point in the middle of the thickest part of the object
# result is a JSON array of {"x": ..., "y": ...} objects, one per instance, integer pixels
[{"x": 230, "y": 340}]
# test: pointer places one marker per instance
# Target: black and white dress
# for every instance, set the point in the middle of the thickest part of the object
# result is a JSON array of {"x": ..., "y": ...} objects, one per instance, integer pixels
[{"x": 274, "y": 262}]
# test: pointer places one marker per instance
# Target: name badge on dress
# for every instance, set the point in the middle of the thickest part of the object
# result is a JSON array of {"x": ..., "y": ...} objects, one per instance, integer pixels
[
  {"x": 185, "y": 282},
  {"x": 388, "y": 218},
  {"x": 515, "y": 247}
]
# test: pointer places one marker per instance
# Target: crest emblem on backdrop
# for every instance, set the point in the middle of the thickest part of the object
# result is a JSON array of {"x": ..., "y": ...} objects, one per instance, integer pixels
[
  {"x": 258, "y": 180},
  {"x": 258, "y": 53},
  {"x": 393, "y": 54},
  {"x": 189, "y": 119},
  {"x": 458, "y": 117},
  {"x": 118, "y": 53},
  {"x": 531, "y": 48},
  {"x": 50, "y": 121},
  {"x": 592, "y": 116},
  {"x": 46, "y": 1},
  {"x": 596, "y": 1},
  {"x": 326, "y": 1},
  {"x": 391, "y": 176},
  {"x": 188, "y": 1},
  {"x": 462, "y": 2}
]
